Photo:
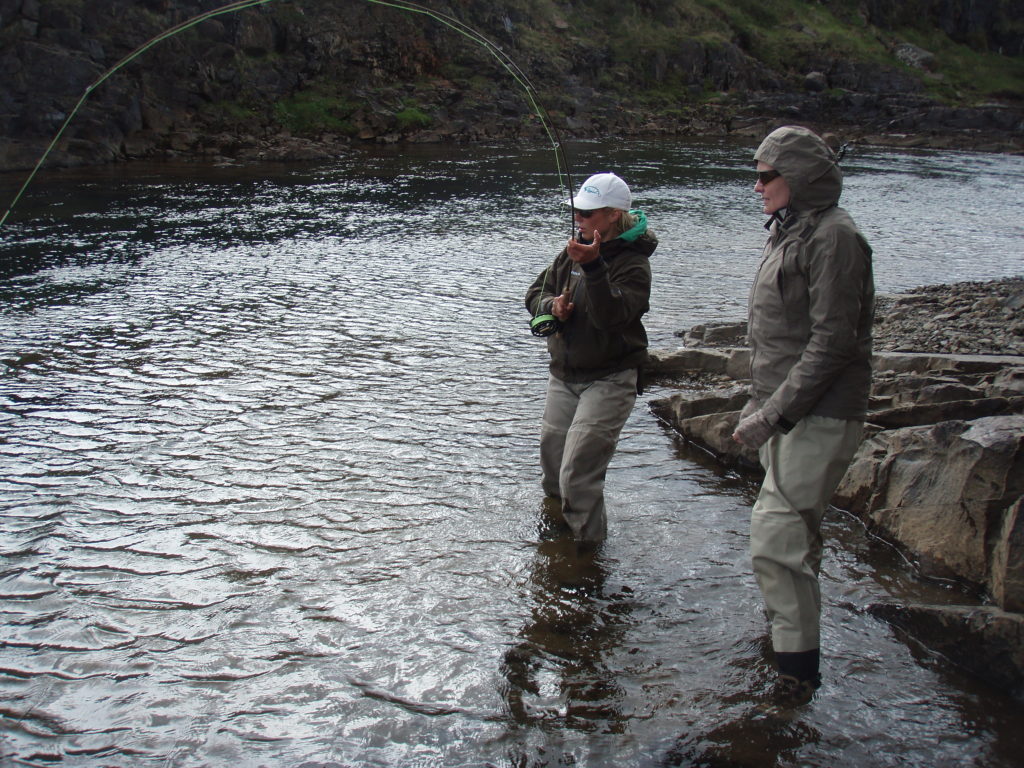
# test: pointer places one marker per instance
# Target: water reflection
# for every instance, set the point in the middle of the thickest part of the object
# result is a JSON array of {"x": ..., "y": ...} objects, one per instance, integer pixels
[
  {"x": 558, "y": 676},
  {"x": 753, "y": 743},
  {"x": 749, "y": 733}
]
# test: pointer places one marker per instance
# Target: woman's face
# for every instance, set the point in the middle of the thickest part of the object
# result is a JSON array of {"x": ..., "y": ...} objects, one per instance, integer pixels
[
  {"x": 775, "y": 193},
  {"x": 600, "y": 220}
]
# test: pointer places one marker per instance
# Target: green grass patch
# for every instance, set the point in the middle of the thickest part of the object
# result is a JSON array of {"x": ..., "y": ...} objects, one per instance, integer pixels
[
  {"x": 412, "y": 118},
  {"x": 314, "y": 111},
  {"x": 967, "y": 74}
]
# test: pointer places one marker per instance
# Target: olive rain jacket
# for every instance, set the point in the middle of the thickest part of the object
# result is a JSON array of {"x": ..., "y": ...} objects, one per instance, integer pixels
[
  {"x": 812, "y": 304},
  {"x": 604, "y": 334}
]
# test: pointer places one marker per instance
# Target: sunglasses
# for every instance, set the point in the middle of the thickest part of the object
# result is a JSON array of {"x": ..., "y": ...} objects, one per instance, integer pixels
[
  {"x": 586, "y": 214},
  {"x": 765, "y": 176}
]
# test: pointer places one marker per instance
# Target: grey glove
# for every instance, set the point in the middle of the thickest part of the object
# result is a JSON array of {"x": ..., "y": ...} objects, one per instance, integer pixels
[
  {"x": 751, "y": 406},
  {"x": 755, "y": 430}
]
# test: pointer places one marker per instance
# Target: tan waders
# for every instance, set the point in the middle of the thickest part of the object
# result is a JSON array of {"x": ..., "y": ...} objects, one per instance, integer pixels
[
  {"x": 802, "y": 470},
  {"x": 579, "y": 433}
]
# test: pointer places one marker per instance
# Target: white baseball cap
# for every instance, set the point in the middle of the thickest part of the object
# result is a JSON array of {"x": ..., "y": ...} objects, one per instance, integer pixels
[{"x": 602, "y": 190}]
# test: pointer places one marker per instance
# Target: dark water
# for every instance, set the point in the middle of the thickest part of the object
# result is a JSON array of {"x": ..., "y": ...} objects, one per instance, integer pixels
[{"x": 270, "y": 495}]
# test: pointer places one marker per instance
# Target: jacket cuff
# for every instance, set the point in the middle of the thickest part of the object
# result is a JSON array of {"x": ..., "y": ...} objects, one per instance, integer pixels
[
  {"x": 592, "y": 266},
  {"x": 771, "y": 413},
  {"x": 776, "y": 419}
]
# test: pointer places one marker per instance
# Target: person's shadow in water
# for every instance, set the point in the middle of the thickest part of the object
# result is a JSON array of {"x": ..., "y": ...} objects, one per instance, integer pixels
[
  {"x": 750, "y": 734},
  {"x": 556, "y": 677},
  {"x": 744, "y": 743}
]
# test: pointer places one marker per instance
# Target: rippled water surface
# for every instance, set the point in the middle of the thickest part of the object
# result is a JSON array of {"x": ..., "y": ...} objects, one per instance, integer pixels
[{"x": 269, "y": 484}]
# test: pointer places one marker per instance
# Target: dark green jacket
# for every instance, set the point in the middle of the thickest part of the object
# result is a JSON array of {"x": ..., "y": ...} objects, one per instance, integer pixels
[{"x": 604, "y": 334}]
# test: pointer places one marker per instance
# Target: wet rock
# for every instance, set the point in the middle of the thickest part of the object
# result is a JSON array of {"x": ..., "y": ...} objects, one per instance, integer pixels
[
  {"x": 914, "y": 415},
  {"x": 984, "y": 641},
  {"x": 707, "y": 418},
  {"x": 689, "y": 360},
  {"x": 716, "y": 334},
  {"x": 944, "y": 492}
]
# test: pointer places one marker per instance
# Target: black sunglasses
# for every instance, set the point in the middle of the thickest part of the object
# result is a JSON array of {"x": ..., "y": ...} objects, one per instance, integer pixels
[
  {"x": 765, "y": 176},
  {"x": 586, "y": 214}
]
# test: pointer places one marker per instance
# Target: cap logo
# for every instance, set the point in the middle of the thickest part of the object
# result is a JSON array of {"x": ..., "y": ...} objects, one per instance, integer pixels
[{"x": 591, "y": 189}]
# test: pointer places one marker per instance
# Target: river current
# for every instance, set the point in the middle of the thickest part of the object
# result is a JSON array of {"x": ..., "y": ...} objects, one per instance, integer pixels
[{"x": 269, "y": 489}]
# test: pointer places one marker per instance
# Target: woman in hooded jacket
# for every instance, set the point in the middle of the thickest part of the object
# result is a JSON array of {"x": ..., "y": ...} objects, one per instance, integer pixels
[{"x": 809, "y": 327}]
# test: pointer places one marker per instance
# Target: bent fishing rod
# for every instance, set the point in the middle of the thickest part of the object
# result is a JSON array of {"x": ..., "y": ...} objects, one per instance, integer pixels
[{"x": 564, "y": 175}]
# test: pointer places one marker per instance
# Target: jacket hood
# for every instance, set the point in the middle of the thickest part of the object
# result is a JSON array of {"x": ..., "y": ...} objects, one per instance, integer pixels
[
  {"x": 637, "y": 229},
  {"x": 637, "y": 238},
  {"x": 807, "y": 164}
]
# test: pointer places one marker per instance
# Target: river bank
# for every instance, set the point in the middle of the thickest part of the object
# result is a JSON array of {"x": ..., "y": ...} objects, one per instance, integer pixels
[
  {"x": 282, "y": 146},
  {"x": 939, "y": 472},
  {"x": 310, "y": 80},
  {"x": 988, "y": 320}
]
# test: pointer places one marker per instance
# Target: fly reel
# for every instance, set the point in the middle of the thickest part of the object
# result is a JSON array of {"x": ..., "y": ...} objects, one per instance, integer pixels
[{"x": 543, "y": 325}]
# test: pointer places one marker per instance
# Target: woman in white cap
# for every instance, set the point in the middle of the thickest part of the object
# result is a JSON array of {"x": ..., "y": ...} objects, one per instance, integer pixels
[{"x": 596, "y": 292}]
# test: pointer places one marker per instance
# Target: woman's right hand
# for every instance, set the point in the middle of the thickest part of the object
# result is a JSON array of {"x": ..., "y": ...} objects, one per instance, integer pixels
[{"x": 562, "y": 307}]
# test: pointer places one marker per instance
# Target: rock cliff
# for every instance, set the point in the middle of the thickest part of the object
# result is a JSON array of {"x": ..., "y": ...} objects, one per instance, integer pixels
[{"x": 306, "y": 78}]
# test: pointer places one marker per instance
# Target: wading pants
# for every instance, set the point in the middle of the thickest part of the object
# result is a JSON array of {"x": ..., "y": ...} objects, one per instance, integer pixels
[
  {"x": 581, "y": 427},
  {"x": 802, "y": 471}
]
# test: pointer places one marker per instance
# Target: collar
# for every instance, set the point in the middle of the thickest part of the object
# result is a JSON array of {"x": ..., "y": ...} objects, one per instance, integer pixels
[{"x": 782, "y": 216}]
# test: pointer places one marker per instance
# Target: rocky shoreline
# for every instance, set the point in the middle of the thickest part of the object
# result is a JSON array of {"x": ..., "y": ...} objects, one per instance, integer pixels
[
  {"x": 309, "y": 81},
  {"x": 213, "y": 144},
  {"x": 282, "y": 146},
  {"x": 940, "y": 472}
]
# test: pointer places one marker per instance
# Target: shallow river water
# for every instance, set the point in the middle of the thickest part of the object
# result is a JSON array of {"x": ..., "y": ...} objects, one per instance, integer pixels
[{"x": 269, "y": 485}]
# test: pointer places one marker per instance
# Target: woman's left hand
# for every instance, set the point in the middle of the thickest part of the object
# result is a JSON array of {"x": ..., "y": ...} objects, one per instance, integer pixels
[{"x": 582, "y": 253}]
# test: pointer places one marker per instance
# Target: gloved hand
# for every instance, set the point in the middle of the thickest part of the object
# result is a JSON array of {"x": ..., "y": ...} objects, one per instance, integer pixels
[
  {"x": 755, "y": 430},
  {"x": 751, "y": 406}
]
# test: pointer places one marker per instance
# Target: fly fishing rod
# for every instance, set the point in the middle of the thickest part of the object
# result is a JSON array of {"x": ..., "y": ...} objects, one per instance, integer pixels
[
  {"x": 565, "y": 178},
  {"x": 541, "y": 324}
]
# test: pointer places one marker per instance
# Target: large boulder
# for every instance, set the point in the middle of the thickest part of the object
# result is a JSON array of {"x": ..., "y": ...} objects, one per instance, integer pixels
[
  {"x": 708, "y": 421},
  {"x": 947, "y": 493}
]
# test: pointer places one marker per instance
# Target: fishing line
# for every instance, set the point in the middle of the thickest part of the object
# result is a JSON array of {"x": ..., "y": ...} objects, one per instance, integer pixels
[
  {"x": 564, "y": 176},
  {"x": 229, "y": 8},
  {"x": 540, "y": 324}
]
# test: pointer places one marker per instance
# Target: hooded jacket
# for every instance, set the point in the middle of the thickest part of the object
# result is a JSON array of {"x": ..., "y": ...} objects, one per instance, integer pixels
[
  {"x": 812, "y": 303},
  {"x": 604, "y": 334}
]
